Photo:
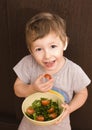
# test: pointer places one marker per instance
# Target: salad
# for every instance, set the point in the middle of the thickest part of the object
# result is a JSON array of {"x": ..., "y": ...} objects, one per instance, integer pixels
[{"x": 43, "y": 110}]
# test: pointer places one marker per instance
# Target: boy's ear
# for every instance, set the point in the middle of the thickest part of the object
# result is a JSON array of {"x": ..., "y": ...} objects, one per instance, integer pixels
[{"x": 66, "y": 44}]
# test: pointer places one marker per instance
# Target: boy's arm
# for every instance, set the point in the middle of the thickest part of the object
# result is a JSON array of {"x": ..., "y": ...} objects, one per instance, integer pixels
[
  {"x": 78, "y": 100},
  {"x": 21, "y": 89}
]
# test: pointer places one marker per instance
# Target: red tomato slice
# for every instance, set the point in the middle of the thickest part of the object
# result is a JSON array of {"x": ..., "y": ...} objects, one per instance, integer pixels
[
  {"x": 40, "y": 118},
  {"x": 45, "y": 102},
  {"x": 30, "y": 111},
  {"x": 51, "y": 110},
  {"x": 47, "y": 76},
  {"x": 53, "y": 115}
]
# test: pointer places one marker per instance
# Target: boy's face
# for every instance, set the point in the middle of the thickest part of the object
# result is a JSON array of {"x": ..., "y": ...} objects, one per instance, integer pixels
[{"x": 48, "y": 52}]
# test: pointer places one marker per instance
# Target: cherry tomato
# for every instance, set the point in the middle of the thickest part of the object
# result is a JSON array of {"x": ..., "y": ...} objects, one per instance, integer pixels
[
  {"x": 40, "y": 118},
  {"x": 53, "y": 115},
  {"x": 51, "y": 110},
  {"x": 47, "y": 76},
  {"x": 30, "y": 110},
  {"x": 45, "y": 102}
]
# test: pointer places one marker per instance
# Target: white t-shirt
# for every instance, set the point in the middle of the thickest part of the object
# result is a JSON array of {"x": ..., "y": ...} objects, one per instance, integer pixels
[{"x": 71, "y": 78}]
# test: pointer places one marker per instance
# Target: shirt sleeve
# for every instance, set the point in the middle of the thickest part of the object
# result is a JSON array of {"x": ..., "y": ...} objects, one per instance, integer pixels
[{"x": 22, "y": 69}]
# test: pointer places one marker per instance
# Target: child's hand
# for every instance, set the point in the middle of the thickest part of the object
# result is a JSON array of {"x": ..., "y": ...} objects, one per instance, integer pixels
[
  {"x": 41, "y": 86},
  {"x": 66, "y": 112}
]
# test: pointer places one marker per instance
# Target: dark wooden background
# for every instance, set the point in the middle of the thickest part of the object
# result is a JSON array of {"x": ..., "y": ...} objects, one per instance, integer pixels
[{"x": 13, "y": 16}]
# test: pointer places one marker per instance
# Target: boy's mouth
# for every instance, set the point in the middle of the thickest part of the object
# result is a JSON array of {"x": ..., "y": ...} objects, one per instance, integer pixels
[{"x": 50, "y": 63}]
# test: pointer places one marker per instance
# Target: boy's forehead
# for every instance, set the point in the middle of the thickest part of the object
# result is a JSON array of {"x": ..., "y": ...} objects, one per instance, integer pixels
[{"x": 50, "y": 38}]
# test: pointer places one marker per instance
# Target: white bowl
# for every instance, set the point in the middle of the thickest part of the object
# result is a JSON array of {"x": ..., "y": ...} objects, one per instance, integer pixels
[{"x": 37, "y": 96}]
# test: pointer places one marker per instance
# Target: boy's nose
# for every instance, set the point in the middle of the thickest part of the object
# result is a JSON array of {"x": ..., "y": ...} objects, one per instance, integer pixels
[{"x": 47, "y": 55}]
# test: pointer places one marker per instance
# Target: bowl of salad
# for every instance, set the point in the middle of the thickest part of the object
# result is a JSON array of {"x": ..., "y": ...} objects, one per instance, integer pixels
[{"x": 43, "y": 108}]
